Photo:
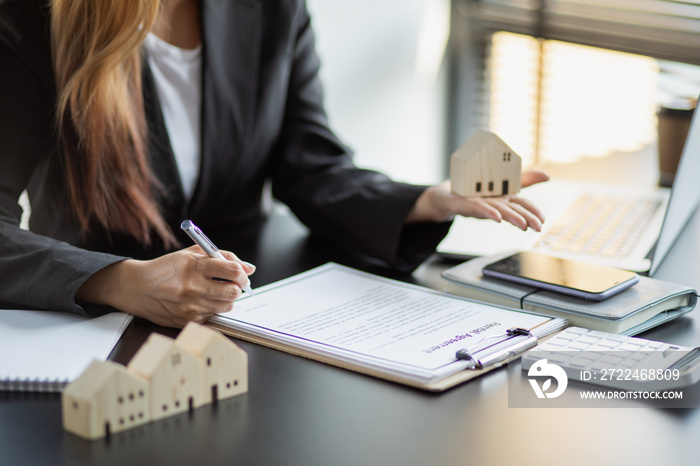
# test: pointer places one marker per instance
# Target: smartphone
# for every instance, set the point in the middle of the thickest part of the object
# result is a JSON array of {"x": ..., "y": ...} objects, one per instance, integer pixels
[{"x": 574, "y": 278}]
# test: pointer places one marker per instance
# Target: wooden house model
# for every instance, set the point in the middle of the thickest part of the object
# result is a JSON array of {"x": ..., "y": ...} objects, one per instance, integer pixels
[
  {"x": 165, "y": 377},
  {"x": 173, "y": 375},
  {"x": 105, "y": 399},
  {"x": 485, "y": 166},
  {"x": 223, "y": 364}
]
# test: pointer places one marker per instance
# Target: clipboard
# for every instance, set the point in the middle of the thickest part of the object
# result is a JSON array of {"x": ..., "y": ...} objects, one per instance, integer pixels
[
  {"x": 493, "y": 349},
  {"x": 500, "y": 352}
]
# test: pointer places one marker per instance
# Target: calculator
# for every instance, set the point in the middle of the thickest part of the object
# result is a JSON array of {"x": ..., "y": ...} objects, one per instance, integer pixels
[{"x": 616, "y": 361}]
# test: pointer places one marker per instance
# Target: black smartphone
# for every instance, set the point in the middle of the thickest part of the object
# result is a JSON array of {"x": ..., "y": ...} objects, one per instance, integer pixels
[{"x": 575, "y": 278}]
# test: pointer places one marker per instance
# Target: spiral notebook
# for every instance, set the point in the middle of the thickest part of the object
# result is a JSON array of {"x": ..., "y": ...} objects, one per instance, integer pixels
[{"x": 42, "y": 351}]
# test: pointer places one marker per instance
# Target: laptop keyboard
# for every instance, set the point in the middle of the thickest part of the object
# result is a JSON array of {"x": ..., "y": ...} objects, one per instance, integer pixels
[{"x": 601, "y": 225}]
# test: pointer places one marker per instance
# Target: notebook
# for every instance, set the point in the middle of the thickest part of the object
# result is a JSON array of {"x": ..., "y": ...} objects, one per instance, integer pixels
[
  {"x": 647, "y": 304},
  {"x": 45, "y": 350},
  {"x": 610, "y": 225}
]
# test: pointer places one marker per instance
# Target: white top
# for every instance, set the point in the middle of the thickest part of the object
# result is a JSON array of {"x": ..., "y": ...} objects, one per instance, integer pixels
[{"x": 178, "y": 79}]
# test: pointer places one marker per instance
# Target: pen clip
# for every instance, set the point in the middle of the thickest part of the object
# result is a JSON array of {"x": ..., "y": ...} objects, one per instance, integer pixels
[
  {"x": 513, "y": 342},
  {"x": 204, "y": 237}
]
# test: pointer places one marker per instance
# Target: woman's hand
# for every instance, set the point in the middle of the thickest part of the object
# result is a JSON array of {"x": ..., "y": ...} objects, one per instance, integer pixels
[
  {"x": 439, "y": 204},
  {"x": 170, "y": 290}
]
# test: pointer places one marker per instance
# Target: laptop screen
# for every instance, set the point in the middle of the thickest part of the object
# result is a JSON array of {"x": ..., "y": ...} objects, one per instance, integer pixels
[{"x": 685, "y": 195}]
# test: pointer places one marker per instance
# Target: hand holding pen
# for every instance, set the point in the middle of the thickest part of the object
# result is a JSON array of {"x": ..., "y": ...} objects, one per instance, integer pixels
[
  {"x": 172, "y": 289},
  {"x": 208, "y": 246}
]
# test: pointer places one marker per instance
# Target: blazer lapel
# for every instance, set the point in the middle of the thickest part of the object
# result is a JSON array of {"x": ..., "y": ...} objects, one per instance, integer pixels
[{"x": 231, "y": 49}]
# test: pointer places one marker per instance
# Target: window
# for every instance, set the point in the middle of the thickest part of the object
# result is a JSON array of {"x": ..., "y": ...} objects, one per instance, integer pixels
[
  {"x": 547, "y": 98},
  {"x": 519, "y": 67}
]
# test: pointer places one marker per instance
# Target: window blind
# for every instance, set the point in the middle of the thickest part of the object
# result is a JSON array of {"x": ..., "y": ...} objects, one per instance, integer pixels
[
  {"x": 518, "y": 87},
  {"x": 663, "y": 29},
  {"x": 555, "y": 101}
]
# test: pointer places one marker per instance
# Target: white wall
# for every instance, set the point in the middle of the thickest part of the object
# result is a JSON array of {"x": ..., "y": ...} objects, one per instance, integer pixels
[{"x": 390, "y": 114}]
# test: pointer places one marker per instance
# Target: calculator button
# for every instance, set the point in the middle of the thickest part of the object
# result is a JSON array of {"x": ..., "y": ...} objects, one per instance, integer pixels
[
  {"x": 655, "y": 345},
  {"x": 630, "y": 347},
  {"x": 554, "y": 342},
  {"x": 612, "y": 359},
  {"x": 579, "y": 363}
]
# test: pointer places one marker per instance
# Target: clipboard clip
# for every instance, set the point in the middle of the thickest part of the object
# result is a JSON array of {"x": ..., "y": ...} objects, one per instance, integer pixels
[{"x": 513, "y": 342}]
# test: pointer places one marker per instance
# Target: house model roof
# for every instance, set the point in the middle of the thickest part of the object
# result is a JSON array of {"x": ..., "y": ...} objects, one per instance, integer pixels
[
  {"x": 196, "y": 338},
  {"x": 480, "y": 141},
  {"x": 147, "y": 360},
  {"x": 91, "y": 381}
]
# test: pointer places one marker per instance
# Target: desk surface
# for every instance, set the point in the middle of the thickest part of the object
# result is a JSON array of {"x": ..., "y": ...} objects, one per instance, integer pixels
[{"x": 301, "y": 412}]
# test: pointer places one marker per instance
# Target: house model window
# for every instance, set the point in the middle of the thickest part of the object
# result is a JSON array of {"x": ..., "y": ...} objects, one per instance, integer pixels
[{"x": 485, "y": 161}]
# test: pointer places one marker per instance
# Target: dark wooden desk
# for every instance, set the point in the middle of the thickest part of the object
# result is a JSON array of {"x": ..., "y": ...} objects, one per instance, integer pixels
[{"x": 300, "y": 412}]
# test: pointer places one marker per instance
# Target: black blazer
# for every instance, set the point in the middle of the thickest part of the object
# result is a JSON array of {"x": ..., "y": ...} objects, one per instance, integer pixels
[{"x": 263, "y": 124}]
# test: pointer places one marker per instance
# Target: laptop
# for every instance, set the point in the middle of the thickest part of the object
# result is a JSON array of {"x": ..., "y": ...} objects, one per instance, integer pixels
[{"x": 611, "y": 225}]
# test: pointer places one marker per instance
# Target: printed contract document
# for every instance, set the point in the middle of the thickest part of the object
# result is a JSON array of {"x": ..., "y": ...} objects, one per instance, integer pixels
[{"x": 376, "y": 323}]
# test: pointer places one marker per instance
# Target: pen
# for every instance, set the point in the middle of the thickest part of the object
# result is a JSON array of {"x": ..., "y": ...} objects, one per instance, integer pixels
[{"x": 206, "y": 244}]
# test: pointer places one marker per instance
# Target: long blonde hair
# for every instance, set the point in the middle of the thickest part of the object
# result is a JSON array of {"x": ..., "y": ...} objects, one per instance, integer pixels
[{"x": 100, "y": 114}]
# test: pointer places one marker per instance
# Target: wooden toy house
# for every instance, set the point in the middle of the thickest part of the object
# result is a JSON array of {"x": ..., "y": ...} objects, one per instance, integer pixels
[
  {"x": 223, "y": 365},
  {"x": 165, "y": 377},
  {"x": 173, "y": 375},
  {"x": 485, "y": 166},
  {"x": 105, "y": 399}
]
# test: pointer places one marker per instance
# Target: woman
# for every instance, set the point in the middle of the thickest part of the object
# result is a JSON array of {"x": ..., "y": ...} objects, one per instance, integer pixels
[{"x": 120, "y": 119}]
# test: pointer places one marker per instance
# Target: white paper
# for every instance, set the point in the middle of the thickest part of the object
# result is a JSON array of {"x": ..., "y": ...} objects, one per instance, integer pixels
[{"x": 381, "y": 323}]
